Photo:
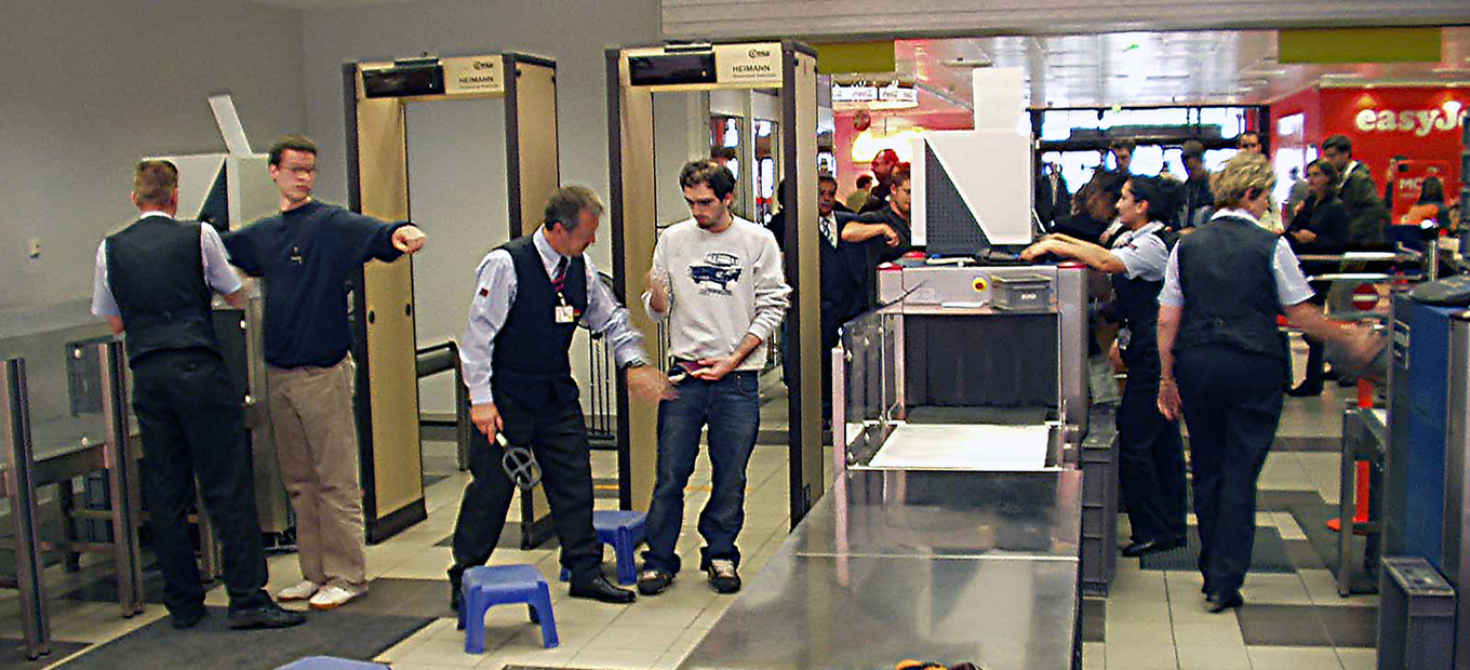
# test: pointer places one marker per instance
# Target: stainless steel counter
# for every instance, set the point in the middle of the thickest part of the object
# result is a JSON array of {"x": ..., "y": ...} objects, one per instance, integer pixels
[{"x": 940, "y": 566}]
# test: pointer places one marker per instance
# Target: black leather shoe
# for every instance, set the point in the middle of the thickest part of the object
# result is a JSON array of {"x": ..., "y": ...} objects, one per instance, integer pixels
[
  {"x": 269, "y": 615},
  {"x": 1146, "y": 547},
  {"x": 598, "y": 588},
  {"x": 189, "y": 619},
  {"x": 1225, "y": 600}
]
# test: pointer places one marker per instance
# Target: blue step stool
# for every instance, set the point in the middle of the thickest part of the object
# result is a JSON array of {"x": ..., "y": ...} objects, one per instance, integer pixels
[
  {"x": 485, "y": 587},
  {"x": 329, "y": 663},
  {"x": 623, "y": 529}
]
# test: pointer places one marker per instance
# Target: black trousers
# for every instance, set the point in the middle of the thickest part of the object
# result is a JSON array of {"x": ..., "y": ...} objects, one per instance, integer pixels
[
  {"x": 1150, "y": 462},
  {"x": 1232, "y": 404},
  {"x": 558, "y": 438},
  {"x": 191, "y": 425}
]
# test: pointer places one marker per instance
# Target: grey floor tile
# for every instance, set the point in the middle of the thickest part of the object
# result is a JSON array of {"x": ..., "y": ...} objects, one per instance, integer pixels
[
  {"x": 1293, "y": 658},
  {"x": 1282, "y": 626}
]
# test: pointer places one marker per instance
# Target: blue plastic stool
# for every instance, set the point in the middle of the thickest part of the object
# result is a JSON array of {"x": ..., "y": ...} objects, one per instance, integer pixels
[
  {"x": 485, "y": 587},
  {"x": 329, "y": 663},
  {"x": 623, "y": 529}
]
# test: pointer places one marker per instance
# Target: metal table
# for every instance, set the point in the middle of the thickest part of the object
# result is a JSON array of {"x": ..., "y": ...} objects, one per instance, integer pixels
[{"x": 933, "y": 565}]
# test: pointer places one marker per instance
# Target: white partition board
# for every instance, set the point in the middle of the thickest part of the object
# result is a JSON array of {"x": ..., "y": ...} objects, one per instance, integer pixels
[
  {"x": 963, "y": 447},
  {"x": 991, "y": 169}
]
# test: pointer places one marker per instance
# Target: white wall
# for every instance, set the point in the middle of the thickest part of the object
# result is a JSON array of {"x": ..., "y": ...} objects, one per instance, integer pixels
[
  {"x": 574, "y": 33},
  {"x": 91, "y": 86}
]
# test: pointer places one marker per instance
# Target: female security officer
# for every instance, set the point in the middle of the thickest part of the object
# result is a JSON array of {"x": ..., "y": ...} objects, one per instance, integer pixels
[
  {"x": 1223, "y": 288},
  {"x": 1150, "y": 451}
]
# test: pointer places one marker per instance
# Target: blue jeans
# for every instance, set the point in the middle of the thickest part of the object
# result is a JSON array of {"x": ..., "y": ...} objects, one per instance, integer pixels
[{"x": 731, "y": 409}]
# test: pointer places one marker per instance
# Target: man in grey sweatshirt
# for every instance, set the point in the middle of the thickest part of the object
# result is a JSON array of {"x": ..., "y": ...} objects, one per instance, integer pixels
[{"x": 718, "y": 280}]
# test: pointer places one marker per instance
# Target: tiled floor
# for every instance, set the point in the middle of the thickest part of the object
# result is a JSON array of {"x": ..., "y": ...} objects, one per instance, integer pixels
[{"x": 1153, "y": 618}]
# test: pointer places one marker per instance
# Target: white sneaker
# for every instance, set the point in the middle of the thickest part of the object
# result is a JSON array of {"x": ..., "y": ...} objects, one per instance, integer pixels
[
  {"x": 300, "y": 591},
  {"x": 332, "y": 596}
]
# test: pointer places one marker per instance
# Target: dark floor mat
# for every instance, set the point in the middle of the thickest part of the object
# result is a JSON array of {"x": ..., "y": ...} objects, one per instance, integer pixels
[
  {"x": 1307, "y": 625},
  {"x": 12, "y": 654},
  {"x": 1268, "y": 555},
  {"x": 340, "y": 634}
]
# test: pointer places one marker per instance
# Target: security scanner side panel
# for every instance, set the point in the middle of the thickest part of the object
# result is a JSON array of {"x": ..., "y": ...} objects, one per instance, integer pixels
[
  {"x": 383, "y": 321},
  {"x": 632, "y": 205},
  {"x": 531, "y": 125},
  {"x": 799, "y": 130},
  {"x": 1418, "y": 425},
  {"x": 1456, "y": 562}
]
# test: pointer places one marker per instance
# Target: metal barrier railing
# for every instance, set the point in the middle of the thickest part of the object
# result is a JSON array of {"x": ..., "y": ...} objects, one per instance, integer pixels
[
  {"x": 444, "y": 357},
  {"x": 20, "y": 488}
]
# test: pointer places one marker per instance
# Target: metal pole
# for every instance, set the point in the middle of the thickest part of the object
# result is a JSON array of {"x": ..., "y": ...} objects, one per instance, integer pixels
[
  {"x": 120, "y": 477},
  {"x": 20, "y": 488}
]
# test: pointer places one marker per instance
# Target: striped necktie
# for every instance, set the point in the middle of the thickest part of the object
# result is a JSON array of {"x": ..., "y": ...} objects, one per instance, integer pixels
[{"x": 560, "y": 279}]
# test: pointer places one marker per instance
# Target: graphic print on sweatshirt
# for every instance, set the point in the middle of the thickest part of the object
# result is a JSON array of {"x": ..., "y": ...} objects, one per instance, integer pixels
[{"x": 714, "y": 275}]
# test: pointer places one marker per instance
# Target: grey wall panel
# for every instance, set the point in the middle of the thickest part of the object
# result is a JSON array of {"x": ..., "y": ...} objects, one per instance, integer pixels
[
  {"x": 731, "y": 19},
  {"x": 457, "y": 188},
  {"x": 92, "y": 86}
]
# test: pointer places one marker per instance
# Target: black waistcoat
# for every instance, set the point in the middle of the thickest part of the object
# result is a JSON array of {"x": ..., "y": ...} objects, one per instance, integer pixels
[
  {"x": 156, "y": 272},
  {"x": 1225, "y": 272},
  {"x": 531, "y": 363}
]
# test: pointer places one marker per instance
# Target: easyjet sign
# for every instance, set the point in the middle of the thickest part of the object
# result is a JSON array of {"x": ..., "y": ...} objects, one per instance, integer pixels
[{"x": 1421, "y": 122}]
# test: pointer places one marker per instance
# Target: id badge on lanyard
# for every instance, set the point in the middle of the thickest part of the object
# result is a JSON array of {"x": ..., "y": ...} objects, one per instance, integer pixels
[{"x": 565, "y": 313}]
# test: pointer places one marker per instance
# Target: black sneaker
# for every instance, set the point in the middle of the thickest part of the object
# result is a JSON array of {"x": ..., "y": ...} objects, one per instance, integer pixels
[
  {"x": 653, "y": 581},
  {"x": 269, "y": 615},
  {"x": 722, "y": 575}
]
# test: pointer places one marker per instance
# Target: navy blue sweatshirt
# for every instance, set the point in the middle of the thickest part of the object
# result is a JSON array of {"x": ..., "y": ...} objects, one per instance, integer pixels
[{"x": 304, "y": 256}]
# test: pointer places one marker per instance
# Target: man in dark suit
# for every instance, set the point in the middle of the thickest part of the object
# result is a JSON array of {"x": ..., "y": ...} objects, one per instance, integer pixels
[
  {"x": 1367, "y": 216},
  {"x": 155, "y": 281}
]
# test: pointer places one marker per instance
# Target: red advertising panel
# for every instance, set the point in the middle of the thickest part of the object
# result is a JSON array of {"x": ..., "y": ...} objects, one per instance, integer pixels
[{"x": 1421, "y": 123}]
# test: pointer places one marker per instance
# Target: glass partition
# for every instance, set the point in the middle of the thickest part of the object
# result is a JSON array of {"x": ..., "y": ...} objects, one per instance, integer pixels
[
  {"x": 867, "y": 389},
  {"x": 58, "y": 343}
]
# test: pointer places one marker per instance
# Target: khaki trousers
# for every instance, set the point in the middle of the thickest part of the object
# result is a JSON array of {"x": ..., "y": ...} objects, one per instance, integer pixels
[{"x": 316, "y": 444}]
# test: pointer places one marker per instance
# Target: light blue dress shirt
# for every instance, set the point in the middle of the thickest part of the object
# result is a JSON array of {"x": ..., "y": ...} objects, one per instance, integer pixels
[
  {"x": 495, "y": 292},
  {"x": 217, "y": 271}
]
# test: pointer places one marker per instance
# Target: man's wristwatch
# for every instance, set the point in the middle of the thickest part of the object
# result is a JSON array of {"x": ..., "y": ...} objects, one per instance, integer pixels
[{"x": 635, "y": 363}]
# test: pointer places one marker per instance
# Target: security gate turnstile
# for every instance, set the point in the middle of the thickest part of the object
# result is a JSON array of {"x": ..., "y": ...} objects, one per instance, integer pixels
[
  {"x": 382, "y": 302},
  {"x": 633, "y": 76}
]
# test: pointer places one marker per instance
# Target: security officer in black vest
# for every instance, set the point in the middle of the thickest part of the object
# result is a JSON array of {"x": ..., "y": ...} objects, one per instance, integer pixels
[
  {"x": 1151, "y": 453},
  {"x": 530, "y": 295},
  {"x": 154, "y": 280},
  {"x": 1223, "y": 288}
]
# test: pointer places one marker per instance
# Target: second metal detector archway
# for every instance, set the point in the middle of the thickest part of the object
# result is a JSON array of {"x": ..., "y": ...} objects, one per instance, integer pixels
[
  {"x": 383, "y": 300},
  {"x": 633, "y": 76}
]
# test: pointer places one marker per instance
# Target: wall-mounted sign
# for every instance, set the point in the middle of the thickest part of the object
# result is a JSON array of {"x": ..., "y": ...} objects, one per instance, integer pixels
[
  {"x": 474, "y": 75},
  {"x": 1449, "y": 116},
  {"x": 749, "y": 64}
]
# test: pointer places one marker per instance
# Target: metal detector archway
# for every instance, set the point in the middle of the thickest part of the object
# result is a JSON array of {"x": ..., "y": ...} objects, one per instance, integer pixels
[
  {"x": 633, "y": 76},
  {"x": 390, "y": 451}
]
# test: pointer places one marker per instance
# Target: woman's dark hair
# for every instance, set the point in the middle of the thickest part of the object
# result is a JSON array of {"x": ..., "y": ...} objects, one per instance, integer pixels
[
  {"x": 1431, "y": 191},
  {"x": 1329, "y": 171},
  {"x": 1165, "y": 197}
]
